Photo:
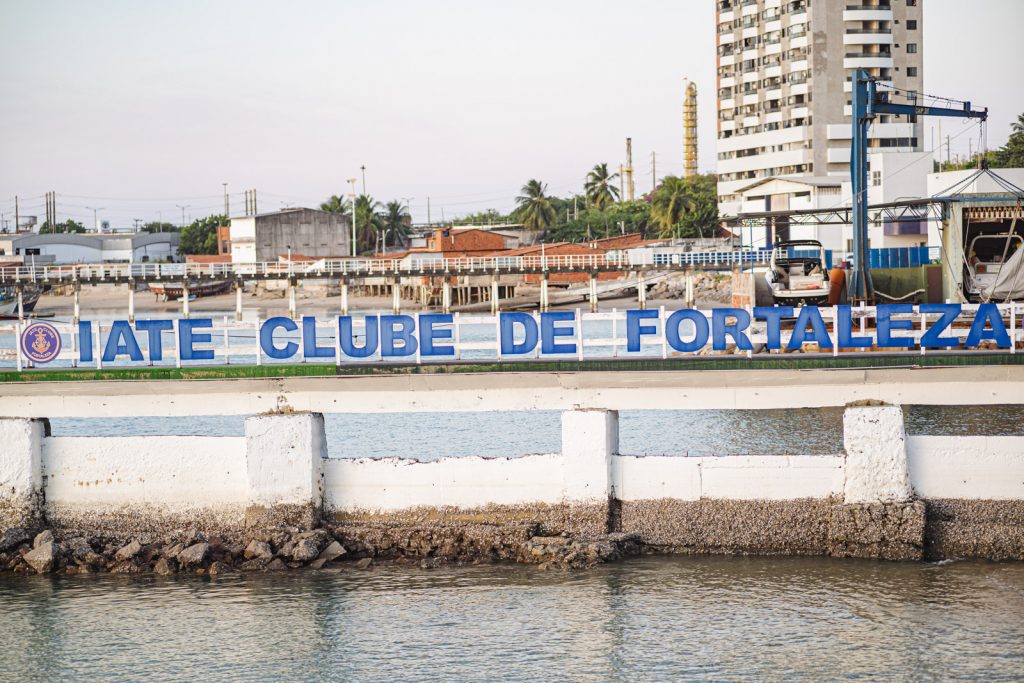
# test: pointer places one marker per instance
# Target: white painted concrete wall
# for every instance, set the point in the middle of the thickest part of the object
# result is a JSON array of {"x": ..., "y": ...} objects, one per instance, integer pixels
[
  {"x": 971, "y": 467},
  {"x": 391, "y": 484},
  {"x": 175, "y": 472}
]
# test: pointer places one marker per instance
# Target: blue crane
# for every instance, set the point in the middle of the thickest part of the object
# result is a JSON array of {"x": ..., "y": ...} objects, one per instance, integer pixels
[{"x": 868, "y": 103}]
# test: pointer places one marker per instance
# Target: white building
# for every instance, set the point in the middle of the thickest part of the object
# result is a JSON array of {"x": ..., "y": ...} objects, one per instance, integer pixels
[
  {"x": 784, "y": 87},
  {"x": 309, "y": 232},
  {"x": 92, "y": 247}
]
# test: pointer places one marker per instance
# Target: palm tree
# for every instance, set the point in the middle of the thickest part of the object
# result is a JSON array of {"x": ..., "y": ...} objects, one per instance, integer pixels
[
  {"x": 599, "y": 188},
  {"x": 336, "y": 204},
  {"x": 396, "y": 221},
  {"x": 533, "y": 207},
  {"x": 668, "y": 204},
  {"x": 368, "y": 222},
  {"x": 1018, "y": 126}
]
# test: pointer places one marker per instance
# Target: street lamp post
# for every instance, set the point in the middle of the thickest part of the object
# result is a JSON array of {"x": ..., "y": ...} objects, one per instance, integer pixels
[
  {"x": 95, "y": 220},
  {"x": 183, "y": 212}
]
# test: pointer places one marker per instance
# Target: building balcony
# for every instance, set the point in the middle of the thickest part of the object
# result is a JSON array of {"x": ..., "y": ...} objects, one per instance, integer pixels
[
  {"x": 727, "y": 81},
  {"x": 867, "y": 13},
  {"x": 842, "y": 131},
  {"x": 872, "y": 38},
  {"x": 774, "y": 94},
  {"x": 750, "y": 98},
  {"x": 848, "y": 86},
  {"x": 727, "y": 104},
  {"x": 868, "y": 62},
  {"x": 727, "y": 60}
]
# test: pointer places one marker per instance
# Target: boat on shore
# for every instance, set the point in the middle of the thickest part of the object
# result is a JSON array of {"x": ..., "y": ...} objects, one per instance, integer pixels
[
  {"x": 168, "y": 291},
  {"x": 9, "y": 301}
]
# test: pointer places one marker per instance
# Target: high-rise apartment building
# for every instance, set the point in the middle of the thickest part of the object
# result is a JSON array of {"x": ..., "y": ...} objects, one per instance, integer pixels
[{"x": 784, "y": 88}]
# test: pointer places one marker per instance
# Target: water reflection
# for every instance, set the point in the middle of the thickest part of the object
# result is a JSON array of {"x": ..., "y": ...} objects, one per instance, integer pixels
[{"x": 654, "y": 619}]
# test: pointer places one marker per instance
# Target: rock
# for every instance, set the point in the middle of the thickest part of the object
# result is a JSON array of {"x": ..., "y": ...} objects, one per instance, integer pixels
[
  {"x": 364, "y": 563},
  {"x": 165, "y": 567},
  {"x": 128, "y": 552},
  {"x": 305, "y": 550},
  {"x": 258, "y": 550},
  {"x": 94, "y": 559},
  {"x": 126, "y": 567},
  {"x": 79, "y": 548},
  {"x": 194, "y": 554},
  {"x": 275, "y": 565},
  {"x": 427, "y": 563},
  {"x": 286, "y": 549},
  {"x": 43, "y": 558},
  {"x": 219, "y": 568},
  {"x": 255, "y": 564},
  {"x": 333, "y": 551},
  {"x": 173, "y": 552},
  {"x": 43, "y": 537},
  {"x": 14, "y": 537}
]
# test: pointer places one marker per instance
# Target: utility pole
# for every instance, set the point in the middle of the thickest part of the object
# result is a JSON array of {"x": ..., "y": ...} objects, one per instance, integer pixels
[
  {"x": 17, "y": 216},
  {"x": 227, "y": 210},
  {"x": 429, "y": 222},
  {"x": 622, "y": 187},
  {"x": 254, "y": 209},
  {"x": 575, "y": 207},
  {"x": 630, "y": 185},
  {"x": 352, "y": 194},
  {"x": 95, "y": 220},
  {"x": 137, "y": 221},
  {"x": 182, "y": 213},
  {"x": 947, "y": 150},
  {"x": 654, "y": 172},
  {"x": 362, "y": 169}
]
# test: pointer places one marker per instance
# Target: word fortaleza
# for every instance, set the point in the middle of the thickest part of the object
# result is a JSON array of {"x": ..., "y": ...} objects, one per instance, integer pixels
[{"x": 431, "y": 334}]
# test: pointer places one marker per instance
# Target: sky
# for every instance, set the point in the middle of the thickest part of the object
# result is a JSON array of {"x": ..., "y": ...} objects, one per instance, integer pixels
[{"x": 136, "y": 109}]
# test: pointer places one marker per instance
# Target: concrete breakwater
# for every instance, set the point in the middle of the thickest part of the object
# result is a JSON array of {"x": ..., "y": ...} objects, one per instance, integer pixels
[{"x": 273, "y": 500}]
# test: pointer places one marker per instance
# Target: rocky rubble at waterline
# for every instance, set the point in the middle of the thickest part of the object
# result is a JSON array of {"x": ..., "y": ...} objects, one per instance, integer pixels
[
  {"x": 707, "y": 287},
  {"x": 289, "y": 548}
]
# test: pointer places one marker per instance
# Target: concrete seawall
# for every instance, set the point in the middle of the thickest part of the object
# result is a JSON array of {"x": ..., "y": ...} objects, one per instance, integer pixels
[{"x": 887, "y": 496}]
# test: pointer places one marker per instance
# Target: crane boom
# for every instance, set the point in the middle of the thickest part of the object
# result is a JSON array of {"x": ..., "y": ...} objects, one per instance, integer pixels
[{"x": 867, "y": 104}]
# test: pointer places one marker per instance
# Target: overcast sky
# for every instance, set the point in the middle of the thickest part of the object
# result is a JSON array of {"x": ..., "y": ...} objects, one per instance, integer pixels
[{"x": 136, "y": 107}]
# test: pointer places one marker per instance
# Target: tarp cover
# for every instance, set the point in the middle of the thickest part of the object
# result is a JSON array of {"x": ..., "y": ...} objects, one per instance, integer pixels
[{"x": 1009, "y": 284}]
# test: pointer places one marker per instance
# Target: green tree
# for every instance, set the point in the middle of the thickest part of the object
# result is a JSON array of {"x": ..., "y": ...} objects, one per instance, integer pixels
[
  {"x": 156, "y": 226},
  {"x": 1011, "y": 155},
  {"x": 368, "y": 223},
  {"x": 599, "y": 189},
  {"x": 396, "y": 222},
  {"x": 685, "y": 207},
  {"x": 337, "y": 204},
  {"x": 67, "y": 226},
  {"x": 483, "y": 218},
  {"x": 200, "y": 236},
  {"x": 533, "y": 207}
]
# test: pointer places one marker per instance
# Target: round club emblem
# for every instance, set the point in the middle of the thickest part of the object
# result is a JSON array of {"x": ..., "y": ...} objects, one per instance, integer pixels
[{"x": 40, "y": 342}]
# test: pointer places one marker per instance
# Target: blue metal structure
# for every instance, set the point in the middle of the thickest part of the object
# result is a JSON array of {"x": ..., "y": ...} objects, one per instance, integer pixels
[{"x": 868, "y": 103}]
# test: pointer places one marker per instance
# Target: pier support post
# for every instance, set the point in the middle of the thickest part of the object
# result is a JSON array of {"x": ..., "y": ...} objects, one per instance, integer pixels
[
  {"x": 641, "y": 290},
  {"x": 21, "y": 302},
  {"x": 21, "y": 479},
  {"x": 238, "y": 300},
  {"x": 690, "y": 303},
  {"x": 344, "y": 296},
  {"x": 544, "y": 293},
  {"x": 284, "y": 456},
  {"x": 184, "y": 301},
  {"x": 589, "y": 440},
  {"x": 593, "y": 292},
  {"x": 446, "y": 295},
  {"x": 494, "y": 295},
  {"x": 396, "y": 296},
  {"x": 131, "y": 300},
  {"x": 292, "y": 308},
  {"x": 77, "y": 292},
  {"x": 879, "y": 517}
]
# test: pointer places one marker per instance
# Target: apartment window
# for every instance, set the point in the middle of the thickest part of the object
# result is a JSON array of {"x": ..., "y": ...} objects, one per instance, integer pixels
[
  {"x": 876, "y": 178},
  {"x": 911, "y": 3},
  {"x": 911, "y": 72},
  {"x": 911, "y": 24},
  {"x": 911, "y": 48}
]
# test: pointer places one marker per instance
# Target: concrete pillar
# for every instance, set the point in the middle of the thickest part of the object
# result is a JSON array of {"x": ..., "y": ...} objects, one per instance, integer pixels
[
  {"x": 131, "y": 300},
  {"x": 238, "y": 301},
  {"x": 690, "y": 303},
  {"x": 641, "y": 290},
  {"x": 876, "y": 455},
  {"x": 396, "y": 297},
  {"x": 544, "y": 293},
  {"x": 446, "y": 295},
  {"x": 344, "y": 296},
  {"x": 21, "y": 303},
  {"x": 589, "y": 440},
  {"x": 494, "y": 295},
  {"x": 21, "y": 479},
  {"x": 593, "y": 292},
  {"x": 77, "y": 289},
  {"x": 184, "y": 301},
  {"x": 284, "y": 456},
  {"x": 292, "y": 308}
]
